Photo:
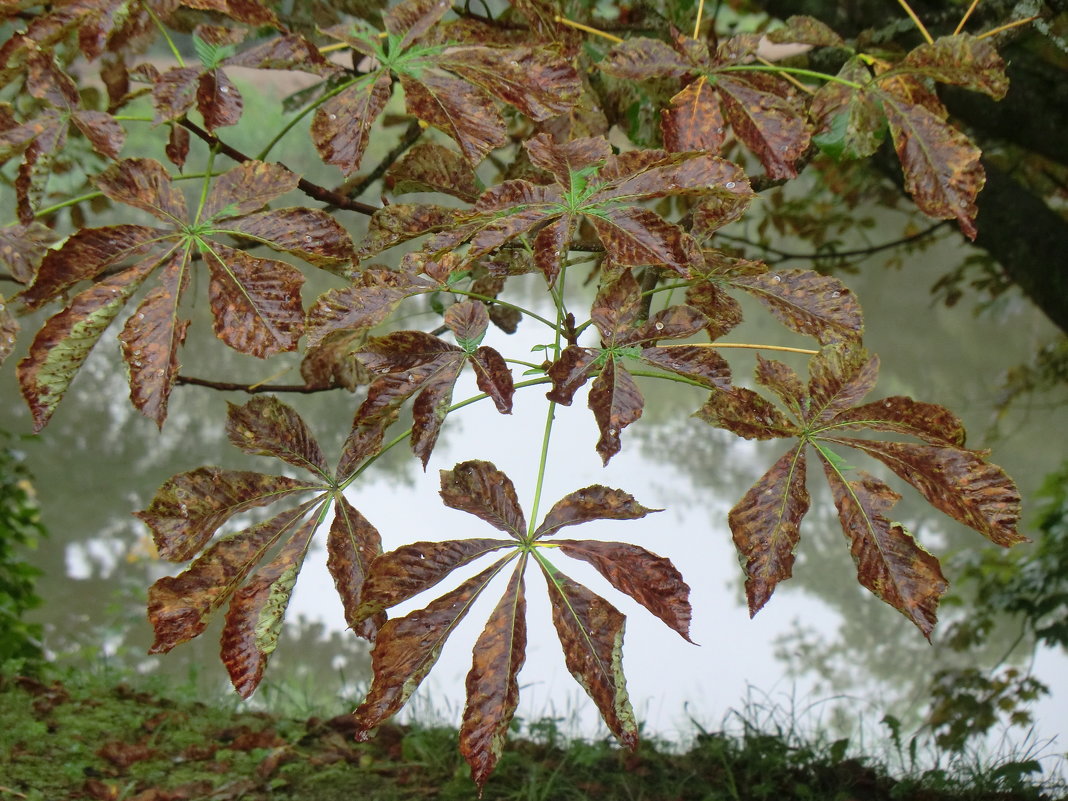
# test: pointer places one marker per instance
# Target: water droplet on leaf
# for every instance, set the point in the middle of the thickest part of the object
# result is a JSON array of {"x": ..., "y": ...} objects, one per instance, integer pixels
[
  {"x": 730, "y": 184},
  {"x": 775, "y": 279},
  {"x": 659, "y": 326}
]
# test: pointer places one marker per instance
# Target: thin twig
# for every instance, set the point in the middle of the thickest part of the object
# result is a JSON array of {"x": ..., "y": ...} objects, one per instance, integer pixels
[
  {"x": 1005, "y": 27},
  {"x": 587, "y": 29},
  {"x": 787, "y": 256},
  {"x": 742, "y": 345},
  {"x": 697, "y": 24},
  {"x": 916, "y": 20},
  {"x": 788, "y": 77},
  {"x": 964, "y": 19},
  {"x": 315, "y": 191}
]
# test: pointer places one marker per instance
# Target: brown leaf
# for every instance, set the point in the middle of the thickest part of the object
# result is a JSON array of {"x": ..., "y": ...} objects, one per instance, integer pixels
[
  {"x": 432, "y": 404},
  {"x": 721, "y": 311},
  {"x": 889, "y": 561},
  {"x": 481, "y": 489},
  {"x": 784, "y": 382},
  {"x": 367, "y": 303},
  {"x": 694, "y": 121},
  {"x": 699, "y": 362},
  {"x": 363, "y": 442},
  {"x": 615, "y": 402},
  {"x": 251, "y": 12},
  {"x": 839, "y": 376},
  {"x": 942, "y": 169},
  {"x": 570, "y": 372},
  {"x": 256, "y": 302},
  {"x": 959, "y": 482},
  {"x": 411, "y": 19},
  {"x": 407, "y": 648},
  {"x": 468, "y": 320},
  {"x": 103, "y": 132},
  {"x": 492, "y": 683},
  {"x": 430, "y": 167},
  {"x": 342, "y": 124},
  {"x": 400, "y": 222},
  {"x": 144, "y": 184},
  {"x": 809, "y": 303},
  {"x": 800, "y": 29},
  {"x": 254, "y": 619},
  {"x": 177, "y": 148},
  {"x": 963, "y": 60},
  {"x": 310, "y": 234},
  {"x": 180, "y": 607},
  {"x": 493, "y": 377},
  {"x": 563, "y": 159},
  {"x": 649, "y": 579},
  {"x": 552, "y": 244},
  {"x": 22, "y": 247},
  {"x": 46, "y": 81},
  {"x": 635, "y": 236},
  {"x": 747, "y": 414},
  {"x": 596, "y": 502},
  {"x": 850, "y": 123},
  {"x": 352, "y": 546},
  {"x": 331, "y": 363},
  {"x": 85, "y": 255},
  {"x": 591, "y": 634},
  {"x": 188, "y": 509},
  {"x": 62, "y": 345},
  {"x": 458, "y": 109},
  {"x": 151, "y": 338},
  {"x": 769, "y": 124},
  {"x": 536, "y": 81},
  {"x": 927, "y": 421},
  {"x": 175, "y": 92},
  {"x": 765, "y": 526},
  {"x": 639, "y": 58},
  {"x": 403, "y": 573},
  {"x": 246, "y": 188},
  {"x": 267, "y": 427}
]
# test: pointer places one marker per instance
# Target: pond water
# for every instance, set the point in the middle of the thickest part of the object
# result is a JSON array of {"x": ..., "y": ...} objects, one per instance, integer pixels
[{"x": 822, "y": 645}]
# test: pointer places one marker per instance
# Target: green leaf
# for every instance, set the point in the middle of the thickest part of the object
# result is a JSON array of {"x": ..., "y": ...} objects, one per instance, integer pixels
[{"x": 211, "y": 55}]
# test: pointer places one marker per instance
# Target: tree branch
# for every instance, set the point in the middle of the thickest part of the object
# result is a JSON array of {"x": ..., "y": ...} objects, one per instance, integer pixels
[
  {"x": 315, "y": 191},
  {"x": 251, "y": 389}
]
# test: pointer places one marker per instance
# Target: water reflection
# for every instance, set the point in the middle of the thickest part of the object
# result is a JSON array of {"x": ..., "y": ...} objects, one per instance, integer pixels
[{"x": 99, "y": 460}]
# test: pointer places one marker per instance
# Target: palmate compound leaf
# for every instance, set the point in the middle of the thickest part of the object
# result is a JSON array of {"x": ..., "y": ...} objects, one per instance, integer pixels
[
  {"x": 448, "y": 82},
  {"x": 256, "y": 302},
  {"x": 614, "y": 397},
  {"x": 589, "y": 628},
  {"x": 603, "y": 189},
  {"x": 411, "y": 362},
  {"x": 760, "y": 108},
  {"x": 254, "y": 570},
  {"x": 958, "y": 481}
]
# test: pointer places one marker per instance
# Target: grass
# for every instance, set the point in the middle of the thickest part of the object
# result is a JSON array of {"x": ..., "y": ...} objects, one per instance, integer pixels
[{"x": 81, "y": 738}]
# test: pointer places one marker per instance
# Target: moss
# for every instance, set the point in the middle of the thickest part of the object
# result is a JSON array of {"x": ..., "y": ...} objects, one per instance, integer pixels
[{"x": 60, "y": 742}]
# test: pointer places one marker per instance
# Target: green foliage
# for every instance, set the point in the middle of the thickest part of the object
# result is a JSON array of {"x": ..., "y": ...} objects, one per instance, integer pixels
[
  {"x": 20, "y": 529},
  {"x": 514, "y": 128}
]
